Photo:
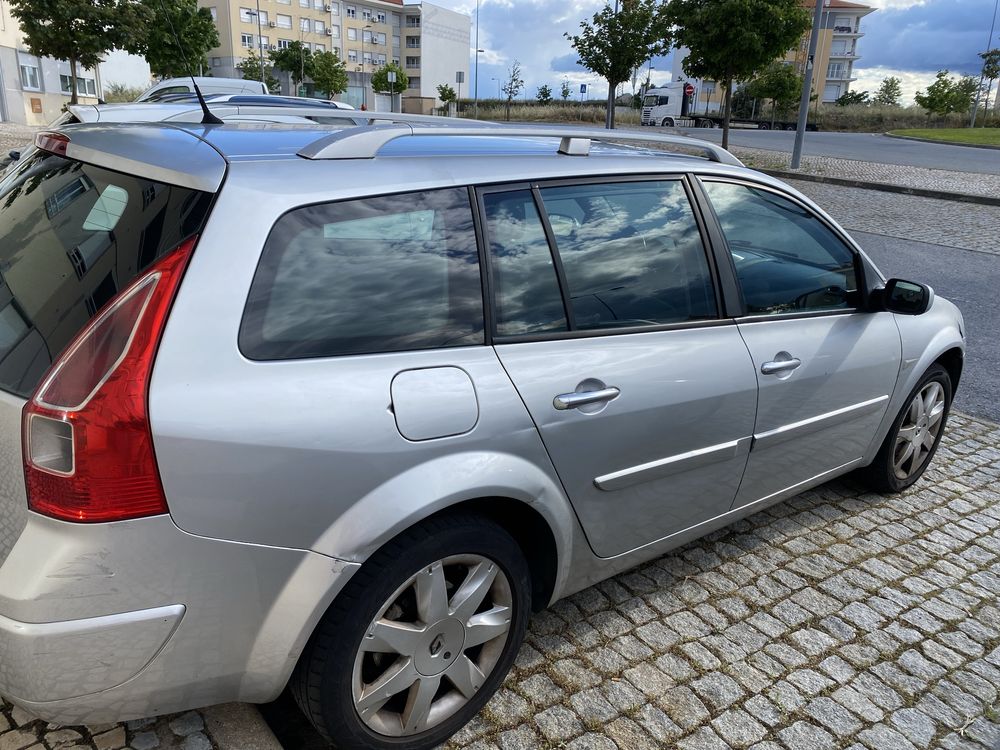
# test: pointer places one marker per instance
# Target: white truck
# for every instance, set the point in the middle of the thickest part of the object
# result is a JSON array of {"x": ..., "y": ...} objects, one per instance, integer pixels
[{"x": 670, "y": 107}]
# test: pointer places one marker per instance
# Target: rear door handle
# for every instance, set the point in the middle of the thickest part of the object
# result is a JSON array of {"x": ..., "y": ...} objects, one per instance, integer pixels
[
  {"x": 582, "y": 398},
  {"x": 780, "y": 365}
]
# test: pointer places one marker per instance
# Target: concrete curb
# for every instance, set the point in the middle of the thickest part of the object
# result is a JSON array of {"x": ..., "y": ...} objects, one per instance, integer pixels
[
  {"x": 983, "y": 200},
  {"x": 239, "y": 726},
  {"x": 941, "y": 143}
]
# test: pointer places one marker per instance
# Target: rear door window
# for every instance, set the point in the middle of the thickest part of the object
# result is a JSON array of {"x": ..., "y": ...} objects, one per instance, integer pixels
[
  {"x": 365, "y": 276},
  {"x": 73, "y": 236}
]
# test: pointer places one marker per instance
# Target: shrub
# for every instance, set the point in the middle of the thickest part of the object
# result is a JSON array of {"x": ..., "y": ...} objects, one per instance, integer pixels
[{"x": 119, "y": 92}]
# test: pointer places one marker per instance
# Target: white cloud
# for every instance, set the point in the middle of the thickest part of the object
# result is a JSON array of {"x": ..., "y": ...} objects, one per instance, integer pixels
[
  {"x": 869, "y": 79},
  {"x": 895, "y": 4}
]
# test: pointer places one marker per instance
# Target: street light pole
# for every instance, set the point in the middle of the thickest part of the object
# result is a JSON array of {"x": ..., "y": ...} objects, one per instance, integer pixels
[
  {"x": 260, "y": 44},
  {"x": 475, "y": 107},
  {"x": 979, "y": 89},
  {"x": 800, "y": 130},
  {"x": 364, "y": 85},
  {"x": 609, "y": 119}
]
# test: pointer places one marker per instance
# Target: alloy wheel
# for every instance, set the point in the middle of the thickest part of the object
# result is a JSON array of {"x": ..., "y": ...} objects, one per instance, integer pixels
[
  {"x": 919, "y": 430},
  {"x": 432, "y": 646}
]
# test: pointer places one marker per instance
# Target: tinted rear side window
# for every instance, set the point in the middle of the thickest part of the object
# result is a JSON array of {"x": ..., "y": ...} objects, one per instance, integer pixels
[
  {"x": 73, "y": 235},
  {"x": 364, "y": 276}
]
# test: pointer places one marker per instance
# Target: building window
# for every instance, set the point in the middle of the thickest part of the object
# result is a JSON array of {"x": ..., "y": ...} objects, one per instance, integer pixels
[
  {"x": 413, "y": 42},
  {"x": 304, "y": 24},
  {"x": 305, "y": 4},
  {"x": 29, "y": 77},
  {"x": 265, "y": 41},
  {"x": 263, "y": 17},
  {"x": 395, "y": 61},
  {"x": 246, "y": 40},
  {"x": 284, "y": 22},
  {"x": 246, "y": 15},
  {"x": 284, "y": 43},
  {"x": 335, "y": 31},
  {"x": 380, "y": 17},
  {"x": 395, "y": 41},
  {"x": 395, "y": 20},
  {"x": 835, "y": 70},
  {"x": 215, "y": 13},
  {"x": 380, "y": 59},
  {"x": 285, "y": 2},
  {"x": 84, "y": 86},
  {"x": 379, "y": 39},
  {"x": 366, "y": 14},
  {"x": 318, "y": 5},
  {"x": 319, "y": 47},
  {"x": 414, "y": 82},
  {"x": 413, "y": 22},
  {"x": 352, "y": 12},
  {"x": 352, "y": 55},
  {"x": 412, "y": 62},
  {"x": 216, "y": 62},
  {"x": 319, "y": 27},
  {"x": 366, "y": 36},
  {"x": 352, "y": 34},
  {"x": 335, "y": 9},
  {"x": 367, "y": 57}
]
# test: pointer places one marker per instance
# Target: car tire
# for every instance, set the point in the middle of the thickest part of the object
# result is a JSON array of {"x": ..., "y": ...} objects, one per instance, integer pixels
[
  {"x": 435, "y": 562},
  {"x": 900, "y": 460},
  {"x": 667, "y": 122}
]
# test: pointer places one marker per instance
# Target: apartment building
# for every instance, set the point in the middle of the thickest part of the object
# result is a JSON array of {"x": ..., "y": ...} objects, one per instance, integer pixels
[
  {"x": 430, "y": 43},
  {"x": 34, "y": 89},
  {"x": 833, "y": 68}
]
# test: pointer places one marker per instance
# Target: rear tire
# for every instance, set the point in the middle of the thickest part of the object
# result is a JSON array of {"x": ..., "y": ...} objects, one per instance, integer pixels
[
  {"x": 763, "y": 126},
  {"x": 914, "y": 436},
  {"x": 403, "y": 625}
]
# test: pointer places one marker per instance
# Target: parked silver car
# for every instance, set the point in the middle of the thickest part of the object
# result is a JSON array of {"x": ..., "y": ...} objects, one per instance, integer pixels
[{"x": 337, "y": 408}]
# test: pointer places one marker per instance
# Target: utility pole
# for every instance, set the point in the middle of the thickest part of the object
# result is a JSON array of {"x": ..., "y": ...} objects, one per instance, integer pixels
[
  {"x": 609, "y": 119},
  {"x": 475, "y": 107},
  {"x": 260, "y": 44},
  {"x": 979, "y": 90},
  {"x": 800, "y": 130}
]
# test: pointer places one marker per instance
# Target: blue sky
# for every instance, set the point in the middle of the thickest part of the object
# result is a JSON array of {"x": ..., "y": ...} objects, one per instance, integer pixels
[{"x": 911, "y": 39}]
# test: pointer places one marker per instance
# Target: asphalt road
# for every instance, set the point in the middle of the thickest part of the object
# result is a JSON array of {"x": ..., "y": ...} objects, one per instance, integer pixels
[
  {"x": 967, "y": 278},
  {"x": 864, "y": 147}
]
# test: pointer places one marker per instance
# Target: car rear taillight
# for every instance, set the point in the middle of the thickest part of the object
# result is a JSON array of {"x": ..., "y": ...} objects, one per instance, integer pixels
[
  {"x": 88, "y": 448},
  {"x": 55, "y": 143}
]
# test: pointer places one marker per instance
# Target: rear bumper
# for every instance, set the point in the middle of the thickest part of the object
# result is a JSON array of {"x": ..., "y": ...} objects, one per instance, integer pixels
[
  {"x": 56, "y": 660},
  {"x": 109, "y": 622}
]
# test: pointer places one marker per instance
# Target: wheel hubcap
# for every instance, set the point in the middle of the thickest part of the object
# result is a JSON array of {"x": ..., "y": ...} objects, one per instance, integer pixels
[
  {"x": 433, "y": 644},
  {"x": 919, "y": 431}
]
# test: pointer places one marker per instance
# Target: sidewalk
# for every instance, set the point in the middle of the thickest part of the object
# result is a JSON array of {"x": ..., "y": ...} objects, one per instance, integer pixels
[{"x": 919, "y": 178}]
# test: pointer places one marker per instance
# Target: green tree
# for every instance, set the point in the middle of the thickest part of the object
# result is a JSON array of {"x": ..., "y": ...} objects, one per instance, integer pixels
[
  {"x": 329, "y": 73},
  {"x": 732, "y": 40},
  {"x": 779, "y": 84},
  {"x": 446, "y": 93},
  {"x": 512, "y": 86},
  {"x": 852, "y": 97},
  {"x": 296, "y": 59},
  {"x": 947, "y": 94},
  {"x": 80, "y": 31},
  {"x": 565, "y": 91},
  {"x": 889, "y": 92},
  {"x": 252, "y": 70},
  {"x": 380, "y": 80},
  {"x": 178, "y": 20},
  {"x": 544, "y": 95},
  {"x": 612, "y": 45},
  {"x": 991, "y": 71}
]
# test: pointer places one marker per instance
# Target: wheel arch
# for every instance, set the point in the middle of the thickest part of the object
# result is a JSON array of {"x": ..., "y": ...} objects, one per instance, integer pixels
[{"x": 953, "y": 361}]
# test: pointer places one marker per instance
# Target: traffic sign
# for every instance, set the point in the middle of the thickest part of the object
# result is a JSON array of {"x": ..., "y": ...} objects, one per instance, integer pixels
[{"x": 688, "y": 89}]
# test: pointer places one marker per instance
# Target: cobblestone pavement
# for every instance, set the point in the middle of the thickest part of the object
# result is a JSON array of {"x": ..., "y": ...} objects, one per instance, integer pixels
[
  {"x": 15, "y": 136},
  {"x": 837, "y": 619},
  {"x": 939, "y": 222},
  {"x": 893, "y": 174},
  {"x": 21, "y": 731}
]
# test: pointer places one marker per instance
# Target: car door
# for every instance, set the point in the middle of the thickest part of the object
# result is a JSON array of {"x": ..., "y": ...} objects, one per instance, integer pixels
[
  {"x": 606, "y": 318},
  {"x": 825, "y": 366}
]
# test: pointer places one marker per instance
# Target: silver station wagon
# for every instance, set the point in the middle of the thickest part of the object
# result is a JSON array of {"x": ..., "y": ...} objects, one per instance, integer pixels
[{"x": 336, "y": 408}]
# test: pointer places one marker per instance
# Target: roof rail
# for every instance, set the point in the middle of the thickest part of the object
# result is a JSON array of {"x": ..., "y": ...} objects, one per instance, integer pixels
[
  {"x": 365, "y": 143},
  {"x": 353, "y": 115}
]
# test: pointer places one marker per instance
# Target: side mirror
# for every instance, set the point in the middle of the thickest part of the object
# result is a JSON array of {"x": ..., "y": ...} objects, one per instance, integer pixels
[{"x": 906, "y": 297}]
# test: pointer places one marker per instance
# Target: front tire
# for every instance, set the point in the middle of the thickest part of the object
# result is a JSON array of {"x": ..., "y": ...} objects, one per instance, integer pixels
[
  {"x": 914, "y": 436},
  {"x": 420, "y": 638}
]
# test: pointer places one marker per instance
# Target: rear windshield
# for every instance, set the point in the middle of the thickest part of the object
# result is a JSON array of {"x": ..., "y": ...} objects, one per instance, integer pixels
[{"x": 72, "y": 236}]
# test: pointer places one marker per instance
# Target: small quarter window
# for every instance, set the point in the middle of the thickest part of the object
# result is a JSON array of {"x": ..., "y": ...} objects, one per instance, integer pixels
[
  {"x": 526, "y": 289},
  {"x": 372, "y": 275},
  {"x": 786, "y": 259}
]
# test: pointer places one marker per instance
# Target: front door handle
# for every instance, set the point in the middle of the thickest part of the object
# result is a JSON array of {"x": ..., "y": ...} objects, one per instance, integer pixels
[
  {"x": 582, "y": 398},
  {"x": 780, "y": 365}
]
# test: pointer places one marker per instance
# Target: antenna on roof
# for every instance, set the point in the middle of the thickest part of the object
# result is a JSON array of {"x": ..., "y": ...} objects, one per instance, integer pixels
[{"x": 208, "y": 118}]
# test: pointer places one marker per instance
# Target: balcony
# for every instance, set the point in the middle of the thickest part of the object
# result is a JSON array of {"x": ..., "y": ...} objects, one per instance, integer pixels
[{"x": 851, "y": 31}]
